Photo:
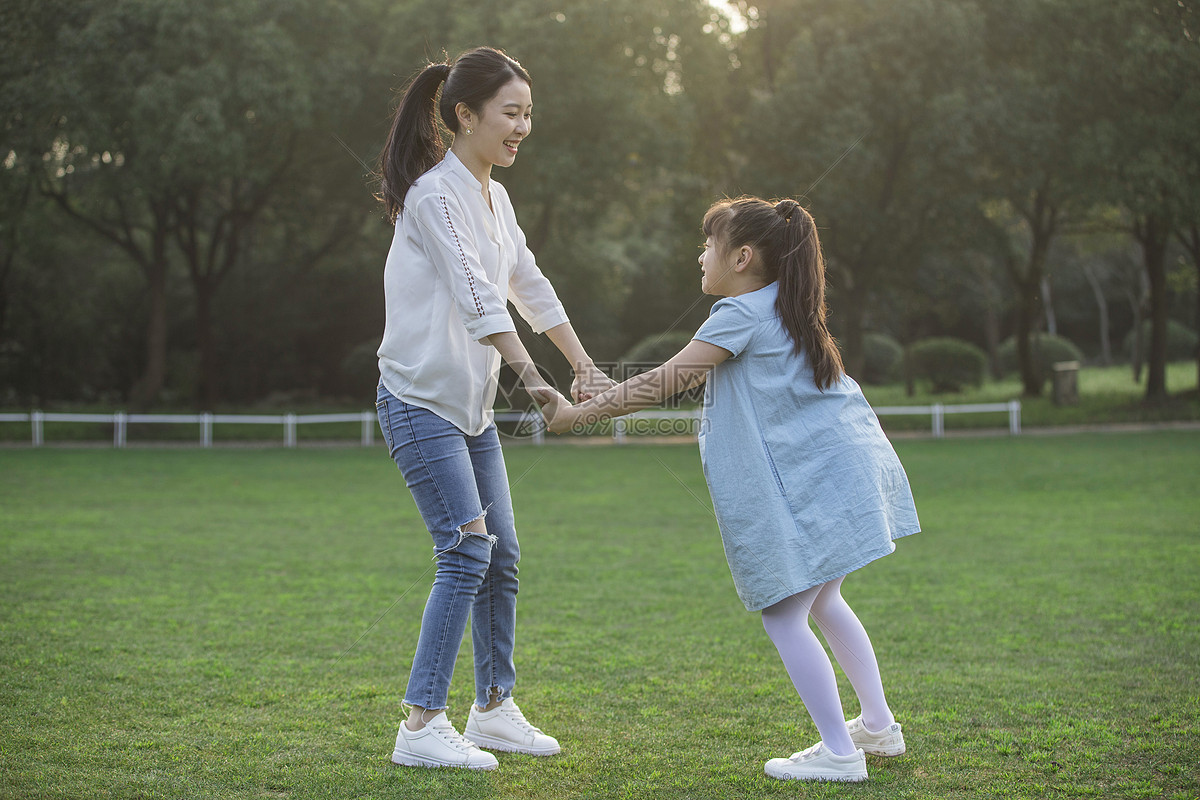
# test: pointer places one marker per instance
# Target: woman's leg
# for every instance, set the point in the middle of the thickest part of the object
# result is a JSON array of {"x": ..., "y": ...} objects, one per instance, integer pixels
[
  {"x": 809, "y": 667},
  {"x": 494, "y": 613},
  {"x": 436, "y": 462},
  {"x": 852, "y": 648}
]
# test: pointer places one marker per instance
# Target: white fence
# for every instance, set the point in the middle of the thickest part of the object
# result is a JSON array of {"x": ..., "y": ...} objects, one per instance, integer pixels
[{"x": 654, "y": 422}]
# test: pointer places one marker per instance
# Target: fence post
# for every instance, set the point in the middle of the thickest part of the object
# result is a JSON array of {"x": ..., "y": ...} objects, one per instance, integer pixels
[
  {"x": 120, "y": 420},
  {"x": 619, "y": 430},
  {"x": 289, "y": 430},
  {"x": 368, "y": 429},
  {"x": 539, "y": 428},
  {"x": 206, "y": 422},
  {"x": 939, "y": 420},
  {"x": 37, "y": 418},
  {"x": 1014, "y": 417}
]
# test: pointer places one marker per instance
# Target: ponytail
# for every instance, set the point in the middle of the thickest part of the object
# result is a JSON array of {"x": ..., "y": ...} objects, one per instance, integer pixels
[
  {"x": 801, "y": 301},
  {"x": 784, "y": 235},
  {"x": 414, "y": 144}
]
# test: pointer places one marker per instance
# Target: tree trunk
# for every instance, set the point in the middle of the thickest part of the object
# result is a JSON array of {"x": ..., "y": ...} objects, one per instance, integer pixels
[
  {"x": 1191, "y": 242},
  {"x": 204, "y": 340},
  {"x": 1048, "y": 306},
  {"x": 1153, "y": 233},
  {"x": 852, "y": 309},
  {"x": 1042, "y": 218},
  {"x": 1102, "y": 306},
  {"x": 149, "y": 386}
]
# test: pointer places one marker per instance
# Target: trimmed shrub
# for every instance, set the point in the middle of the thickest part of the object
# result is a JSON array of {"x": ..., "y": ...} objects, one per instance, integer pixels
[
  {"x": 1181, "y": 342},
  {"x": 949, "y": 364},
  {"x": 882, "y": 359},
  {"x": 1047, "y": 351}
]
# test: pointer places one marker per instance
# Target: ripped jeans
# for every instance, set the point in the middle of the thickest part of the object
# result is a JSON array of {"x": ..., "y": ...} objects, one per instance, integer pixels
[{"x": 455, "y": 480}]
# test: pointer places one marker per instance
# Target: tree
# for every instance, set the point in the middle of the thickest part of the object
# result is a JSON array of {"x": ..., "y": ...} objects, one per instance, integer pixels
[
  {"x": 1151, "y": 61},
  {"x": 179, "y": 125},
  {"x": 869, "y": 118}
]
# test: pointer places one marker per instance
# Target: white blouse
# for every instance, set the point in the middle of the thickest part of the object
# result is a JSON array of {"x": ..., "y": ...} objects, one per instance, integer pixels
[{"x": 453, "y": 266}]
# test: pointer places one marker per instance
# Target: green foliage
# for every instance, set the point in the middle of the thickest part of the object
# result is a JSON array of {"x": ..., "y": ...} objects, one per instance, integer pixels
[
  {"x": 949, "y": 363},
  {"x": 1181, "y": 341},
  {"x": 224, "y": 625},
  {"x": 1047, "y": 350},
  {"x": 215, "y": 149}
]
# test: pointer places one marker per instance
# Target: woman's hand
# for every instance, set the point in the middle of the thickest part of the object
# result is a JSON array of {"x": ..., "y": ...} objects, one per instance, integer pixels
[
  {"x": 558, "y": 412},
  {"x": 589, "y": 382}
]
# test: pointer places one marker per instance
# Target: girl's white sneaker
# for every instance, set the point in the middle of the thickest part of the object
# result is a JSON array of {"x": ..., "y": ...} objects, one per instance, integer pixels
[
  {"x": 438, "y": 744},
  {"x": 887, "y": 742},
  {"x": 818, "y": 763}
]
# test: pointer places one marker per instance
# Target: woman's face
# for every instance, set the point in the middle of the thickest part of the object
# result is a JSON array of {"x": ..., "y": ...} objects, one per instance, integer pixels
[{"x": 498, "y": 130}]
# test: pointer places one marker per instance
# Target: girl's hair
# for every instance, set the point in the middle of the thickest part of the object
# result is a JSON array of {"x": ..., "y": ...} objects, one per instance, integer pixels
[
  {"x": 784, "y": 235},
  {"x": 414, "y": 144}
]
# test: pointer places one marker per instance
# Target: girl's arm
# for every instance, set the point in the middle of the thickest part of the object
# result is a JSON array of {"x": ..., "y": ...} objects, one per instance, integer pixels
[
  {"x": 687, "y": 368},
  {"x": 589, "y": 380}
]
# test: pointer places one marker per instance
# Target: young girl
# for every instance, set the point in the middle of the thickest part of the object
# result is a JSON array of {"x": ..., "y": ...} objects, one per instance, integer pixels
[
  {"x": 457, "y": 258},
  {"x": 805, "y": 485}
]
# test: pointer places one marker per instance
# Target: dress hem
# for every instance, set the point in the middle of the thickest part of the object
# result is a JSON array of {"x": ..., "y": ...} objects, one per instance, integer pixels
[{"x": 839, "y": 574}]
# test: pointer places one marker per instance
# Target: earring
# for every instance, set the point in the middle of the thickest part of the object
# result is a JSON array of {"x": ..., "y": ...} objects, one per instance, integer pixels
[{"x": 468, "y": 131}]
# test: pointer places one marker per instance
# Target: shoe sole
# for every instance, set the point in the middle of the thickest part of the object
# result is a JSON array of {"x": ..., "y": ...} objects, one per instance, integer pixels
[
  {"x": 890, "y": 752},
  {"x": 814, "y": 777},
  {"x": 401, "y": 759},
  {"x": 488, "y": 743}
]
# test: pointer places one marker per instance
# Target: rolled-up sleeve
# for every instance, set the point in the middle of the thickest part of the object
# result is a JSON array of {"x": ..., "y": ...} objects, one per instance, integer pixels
[
  {"x": 450, "y": 245},
  {"x": 531, "y": 293}
]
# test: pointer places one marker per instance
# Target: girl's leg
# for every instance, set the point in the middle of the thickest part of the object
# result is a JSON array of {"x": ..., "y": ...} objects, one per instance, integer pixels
[
  {"x": 786, "y": 623},
  {"x": 434, "y": 457},
  {"x": 852, "y": 648},
  {"x": 494, "y": 613}
]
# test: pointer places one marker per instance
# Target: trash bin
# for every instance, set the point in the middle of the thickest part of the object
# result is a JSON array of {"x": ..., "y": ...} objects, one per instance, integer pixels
[{"x": 1066, "y": 383}]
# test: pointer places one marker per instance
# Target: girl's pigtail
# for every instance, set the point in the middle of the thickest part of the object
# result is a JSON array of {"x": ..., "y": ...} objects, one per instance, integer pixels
[
  {"x": 414, "y": 144},
  {"x": 801, "y": 300}
]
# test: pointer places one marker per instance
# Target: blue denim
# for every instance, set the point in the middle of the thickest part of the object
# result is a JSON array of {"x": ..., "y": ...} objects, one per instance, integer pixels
[{"x": 456, "y": 479}]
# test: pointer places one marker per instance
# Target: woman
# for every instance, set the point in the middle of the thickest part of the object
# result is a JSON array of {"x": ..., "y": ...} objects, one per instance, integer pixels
[{"x": 457, "y": 257}]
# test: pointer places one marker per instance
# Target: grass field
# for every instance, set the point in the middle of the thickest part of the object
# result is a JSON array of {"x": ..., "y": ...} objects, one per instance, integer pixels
[{"x": 239, "y": 623}]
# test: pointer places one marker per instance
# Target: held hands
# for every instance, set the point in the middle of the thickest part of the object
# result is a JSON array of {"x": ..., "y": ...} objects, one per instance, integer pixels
[
  {"x": 589, "y": 382},
  {"x": 558, "y": 412}
]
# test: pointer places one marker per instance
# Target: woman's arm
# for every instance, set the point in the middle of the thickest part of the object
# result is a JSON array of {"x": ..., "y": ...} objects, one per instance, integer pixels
[
  {"x": 687, "y": 368},
  {"x": 513, "y": 351}
]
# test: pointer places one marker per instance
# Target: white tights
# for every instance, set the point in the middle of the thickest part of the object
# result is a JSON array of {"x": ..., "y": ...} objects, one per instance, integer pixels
[{"x": 809, "y": 667}]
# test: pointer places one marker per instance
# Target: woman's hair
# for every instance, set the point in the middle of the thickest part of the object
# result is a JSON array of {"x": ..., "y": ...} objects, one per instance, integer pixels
[
  {"x": 784, "y": 235},
  {"x": 414, "y": 144}
]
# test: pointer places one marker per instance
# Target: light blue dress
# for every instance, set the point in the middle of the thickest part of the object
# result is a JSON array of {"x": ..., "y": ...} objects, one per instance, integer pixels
[{"x": 805, "y": 485}]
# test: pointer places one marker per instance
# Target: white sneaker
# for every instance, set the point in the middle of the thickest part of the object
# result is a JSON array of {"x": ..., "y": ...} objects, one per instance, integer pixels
[
  {"x": 887, "y": 742},
  {"x": 439, "y": 745},
  {"x": 818, "y": 763},
  {"x": 505, "y": 728}
]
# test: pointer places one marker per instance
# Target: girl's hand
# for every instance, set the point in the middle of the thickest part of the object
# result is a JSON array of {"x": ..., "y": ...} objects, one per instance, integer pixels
[
  {"x": 589, "y": 382},
  {"x": 558, "y": 412}
]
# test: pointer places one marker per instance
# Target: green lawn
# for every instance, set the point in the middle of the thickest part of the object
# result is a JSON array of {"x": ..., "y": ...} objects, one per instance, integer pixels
[{"x": 239, "y": 623}]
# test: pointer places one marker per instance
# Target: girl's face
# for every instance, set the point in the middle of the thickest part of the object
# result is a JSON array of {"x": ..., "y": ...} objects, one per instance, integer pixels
[
  {"x": 715, "y": 268},
  {"x": 498, "y": 130}
]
